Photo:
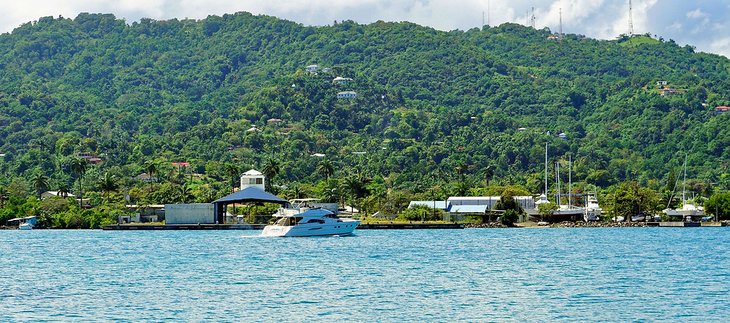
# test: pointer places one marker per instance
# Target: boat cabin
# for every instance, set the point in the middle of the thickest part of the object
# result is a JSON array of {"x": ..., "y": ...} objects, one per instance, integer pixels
[{"x": 288, "y": 221}]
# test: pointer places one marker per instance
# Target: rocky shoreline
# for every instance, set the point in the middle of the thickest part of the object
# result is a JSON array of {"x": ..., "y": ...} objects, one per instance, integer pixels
[{"x": 565, "y": 224}]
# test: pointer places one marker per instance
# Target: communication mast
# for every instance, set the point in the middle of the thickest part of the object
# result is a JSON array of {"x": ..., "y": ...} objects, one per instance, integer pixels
[
  {"x": 532, "y": 18},
  {"x": 631, "y": 20},
  {"x": 561, "y": 24}
]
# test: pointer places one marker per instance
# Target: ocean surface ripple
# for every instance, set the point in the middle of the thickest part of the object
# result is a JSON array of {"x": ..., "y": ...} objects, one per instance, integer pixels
[{"x": 603, "y": 274}]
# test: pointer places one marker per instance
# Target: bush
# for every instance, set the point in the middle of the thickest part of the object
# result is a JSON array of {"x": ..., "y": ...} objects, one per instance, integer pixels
[
  {"x": 420, "y": 212},
  {"x": 509, "y": 217}
]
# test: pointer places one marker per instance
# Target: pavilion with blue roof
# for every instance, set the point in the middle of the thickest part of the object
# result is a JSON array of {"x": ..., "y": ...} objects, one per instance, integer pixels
[{"x": 250, "y": 194}]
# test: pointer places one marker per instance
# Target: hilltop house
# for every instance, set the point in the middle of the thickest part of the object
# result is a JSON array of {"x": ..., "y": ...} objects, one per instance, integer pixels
[
  {"x": 722, "y": 109},
  {"x": 346, "y": 95},
  {"x": 49, "y": 194},
  {"x": 312, "y": 68},
  {"x": 341, "y": 80},
  {"x": 667, "y": 91},
  {"x": 90, "y": 158}
]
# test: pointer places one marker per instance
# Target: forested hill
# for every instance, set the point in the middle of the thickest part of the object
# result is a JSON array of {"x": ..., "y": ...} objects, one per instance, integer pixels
[{"x": 429, "y": 104}]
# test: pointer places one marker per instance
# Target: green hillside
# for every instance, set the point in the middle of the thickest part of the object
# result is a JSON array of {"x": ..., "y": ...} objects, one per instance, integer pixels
[{"x": 438, "y": 112}]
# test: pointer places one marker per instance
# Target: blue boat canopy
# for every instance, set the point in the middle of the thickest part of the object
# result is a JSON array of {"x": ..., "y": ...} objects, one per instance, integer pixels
[{"x": 250, "y": 194}]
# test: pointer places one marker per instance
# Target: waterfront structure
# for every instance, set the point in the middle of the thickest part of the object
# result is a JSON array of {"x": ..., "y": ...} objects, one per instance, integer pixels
[
  {"x": 440, "y": 205},
  {"x": 253, "y": 178},
  {"x": 200, "y": 213},
  {"x": 489, "y": 201},
  {"x": 28, "y": 221},
  {"x": 250, "y": 194}
]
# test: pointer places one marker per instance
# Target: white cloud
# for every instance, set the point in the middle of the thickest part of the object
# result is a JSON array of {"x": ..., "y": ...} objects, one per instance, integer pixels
[
  {"x": 696, "y": 14},
  {"x": 699, "y": 23},
  {"x": 676, "y": 26},
  {"x": 721, "y": 46}
]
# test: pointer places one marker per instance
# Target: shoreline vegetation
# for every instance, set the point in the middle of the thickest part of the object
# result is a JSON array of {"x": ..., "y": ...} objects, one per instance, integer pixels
[
  {"x": 490, "y": 225},
  {"x": 103, "y": 116}
]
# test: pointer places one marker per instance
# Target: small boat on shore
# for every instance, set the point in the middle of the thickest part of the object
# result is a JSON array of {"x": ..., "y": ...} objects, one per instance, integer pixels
[
  {"x": 307, "y": 222},
  {"x": 592, "y": 209},
  {"x": 25, "y": 226}
]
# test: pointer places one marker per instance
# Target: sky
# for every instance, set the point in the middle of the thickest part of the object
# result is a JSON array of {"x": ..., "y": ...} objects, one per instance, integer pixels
[{"x": 704, "y": 24}]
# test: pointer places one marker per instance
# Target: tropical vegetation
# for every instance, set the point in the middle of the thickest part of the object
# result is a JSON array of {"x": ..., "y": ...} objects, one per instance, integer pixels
[{"x": 99, "y": 108}]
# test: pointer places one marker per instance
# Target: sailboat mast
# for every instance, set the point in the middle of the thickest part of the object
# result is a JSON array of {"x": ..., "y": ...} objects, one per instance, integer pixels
[
  {"x": 557, "y": 177},
  {"x": 570, "y": 180},
  {"x": 684, "y": 181},
  {"x": 545, "y": 170}
]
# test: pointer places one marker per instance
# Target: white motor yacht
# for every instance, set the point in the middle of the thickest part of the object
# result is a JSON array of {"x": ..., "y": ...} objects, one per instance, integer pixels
[{"x": 309, "y": 222}]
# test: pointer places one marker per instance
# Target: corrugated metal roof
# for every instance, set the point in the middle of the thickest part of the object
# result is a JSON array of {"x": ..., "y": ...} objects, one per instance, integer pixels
[
  {"x": 468, "y": 209},
  {"x": 439, "y": 204},
  {"x": 474, "y": 198}
]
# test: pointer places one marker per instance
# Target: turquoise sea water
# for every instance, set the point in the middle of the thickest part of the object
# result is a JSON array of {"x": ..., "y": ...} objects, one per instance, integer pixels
[{"x": 609, "y": 274}]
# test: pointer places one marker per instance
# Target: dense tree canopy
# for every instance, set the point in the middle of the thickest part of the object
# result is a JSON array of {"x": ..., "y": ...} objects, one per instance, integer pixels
[{"x": 455, "y": 110}]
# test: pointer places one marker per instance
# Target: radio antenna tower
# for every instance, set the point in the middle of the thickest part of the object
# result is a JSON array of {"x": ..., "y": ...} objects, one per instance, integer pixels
[
  {"x": 532, "y": 19},
  {"x": 560, "y": 37},
  {"x": 631, "y": 20}
]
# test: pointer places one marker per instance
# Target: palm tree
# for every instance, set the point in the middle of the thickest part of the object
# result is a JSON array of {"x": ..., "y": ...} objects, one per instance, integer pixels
[
  {"x": 108, "y": 184},
  {"x": 461, "y": 168},
  {"x": 270, "y": 169},
  {"x": 3, "y": 196},
  {"x": 325, "y": 168},
  {"x": 185, "y": 194},
  {"x": 151, "y": 168},
  {"x": 356, "y": 184},
  {"x": 233, "y": 172},
  {"x": 40, "y": 182},
  {"x": 63, "y": 190},
  {"x": 79, "y": 167},
  {"x": 295, "y": 192},
  {"x": 488, "y": 173}
]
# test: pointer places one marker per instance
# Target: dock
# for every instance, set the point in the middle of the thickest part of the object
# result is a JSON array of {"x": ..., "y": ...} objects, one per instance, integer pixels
[
  {"x": 409, "y": 226},
  {"x": 372, "y": 226},
  {"x": 155, "y": 227},
  {"x": 684, "y": 224}
]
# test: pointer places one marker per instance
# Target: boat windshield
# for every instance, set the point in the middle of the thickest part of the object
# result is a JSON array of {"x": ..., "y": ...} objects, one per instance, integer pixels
[{"x": 288, "y": 221}]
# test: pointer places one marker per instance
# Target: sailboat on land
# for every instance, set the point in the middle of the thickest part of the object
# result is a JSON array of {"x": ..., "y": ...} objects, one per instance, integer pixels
[
  {"x": 564, "y": 212},
  {"x": 689, "y": 211}
]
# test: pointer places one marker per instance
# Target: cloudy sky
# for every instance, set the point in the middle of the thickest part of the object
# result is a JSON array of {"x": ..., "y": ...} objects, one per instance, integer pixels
[{"x": 701, "y": 23}]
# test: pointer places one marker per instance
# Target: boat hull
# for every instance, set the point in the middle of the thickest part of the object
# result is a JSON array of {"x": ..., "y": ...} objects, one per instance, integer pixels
[{"x": 311, "y": 230}]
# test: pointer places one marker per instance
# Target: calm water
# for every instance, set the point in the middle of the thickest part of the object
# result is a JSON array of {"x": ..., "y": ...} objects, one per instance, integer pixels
[{"x": 471, "y": 275}]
